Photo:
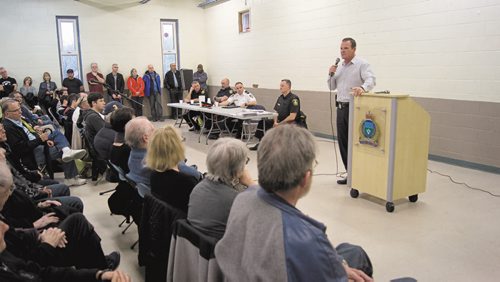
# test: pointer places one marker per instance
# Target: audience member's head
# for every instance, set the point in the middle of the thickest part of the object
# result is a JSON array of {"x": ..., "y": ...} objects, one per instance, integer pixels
[
  {"x": 3, "y": 72},
  {"x": 27, "y": 81},
  {"x": 173, "y": 67},
  {"x": 138, "y": 132},
  {"x": 226, "y": 160},
  {"x": 133, "y": 73},
  {"x": 11, "y": 109},
  {"x": 285, "y": 159},
  {"x": 165, "y": 150},
  {"x": 224, "y": 83},
  {"x": 120, "y": 117},
  {"x": 73, "y": 100},
  {"x": 114, "y": 68},
  {"x": 96, "y": 102},
  {"x": 6, "y": 181},
  {"x": 16, "y": 95},
  {"x": 94, "y": 67},
  {"x": 285, "y": 86},
  {"x": 151, "y": 69},
  {"x": 46, "y": 76},
  {"x": 111, "y": 107},
  {"x": 200, "y": 68},
  {"x": 70, "y": 73}
]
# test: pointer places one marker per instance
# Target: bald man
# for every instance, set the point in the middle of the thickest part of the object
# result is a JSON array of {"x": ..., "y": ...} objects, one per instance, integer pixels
[{"x": 225, "y": 92}]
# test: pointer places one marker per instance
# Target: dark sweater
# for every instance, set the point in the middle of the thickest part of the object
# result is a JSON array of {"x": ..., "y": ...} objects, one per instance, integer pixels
[{"x": 173, "y": 187}]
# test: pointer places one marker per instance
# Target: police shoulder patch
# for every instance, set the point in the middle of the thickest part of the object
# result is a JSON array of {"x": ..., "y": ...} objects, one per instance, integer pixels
[
  {"x": 295, "y": 102},
  {"x": 202, "y": 91}
]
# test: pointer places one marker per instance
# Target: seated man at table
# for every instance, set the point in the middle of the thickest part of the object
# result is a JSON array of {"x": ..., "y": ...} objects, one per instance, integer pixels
[
  {"x": 243, "y": 99},
  {"x": 224, "y": 92},
  {"x": 194, "y": 118},
  {"x": 288, "y": 108}
]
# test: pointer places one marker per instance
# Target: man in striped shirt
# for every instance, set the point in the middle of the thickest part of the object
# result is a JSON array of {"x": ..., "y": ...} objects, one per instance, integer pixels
[{"x": 352, "y": 78}]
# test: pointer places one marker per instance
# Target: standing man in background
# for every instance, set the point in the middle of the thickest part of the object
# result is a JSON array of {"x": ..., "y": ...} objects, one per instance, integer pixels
[
  {"x": 152, "y": 89},
  {"x": 173, "y": 84},
  {"x": 202, "y": 77},
  {"x": 115, "y": 80},
  {"x": 352, "y": 78},
  {"x": 72, "y": 84},
  {"x": 95, "y": 75}
]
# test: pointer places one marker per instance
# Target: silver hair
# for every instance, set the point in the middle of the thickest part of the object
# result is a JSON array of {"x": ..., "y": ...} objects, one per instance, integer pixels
[
  {"x": 284, "y": 156},
  {"x": 5, "y": 176},
  {"x": 226, "y": 160},
  {"x": 135, "y": 130},
  {"x": 6, "y": 103}
]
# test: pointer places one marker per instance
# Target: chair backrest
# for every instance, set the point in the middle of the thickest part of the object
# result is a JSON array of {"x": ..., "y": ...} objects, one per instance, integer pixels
[
  {"x": 143, "y": 189},
  {"x": 119, "y": 171},
  {"x": 192, "y": 255},
  {"x": 155, "y": 233}
]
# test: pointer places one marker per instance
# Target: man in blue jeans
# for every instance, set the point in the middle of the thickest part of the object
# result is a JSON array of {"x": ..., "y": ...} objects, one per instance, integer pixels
[{"x": 28, "y": 144}]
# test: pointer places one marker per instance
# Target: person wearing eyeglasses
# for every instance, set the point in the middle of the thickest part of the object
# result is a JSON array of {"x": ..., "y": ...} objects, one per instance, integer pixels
[{"x": 211, "y": 200}]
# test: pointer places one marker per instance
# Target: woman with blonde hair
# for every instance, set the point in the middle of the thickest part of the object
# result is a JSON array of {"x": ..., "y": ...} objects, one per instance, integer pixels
[{"x": 165, "y": 157}]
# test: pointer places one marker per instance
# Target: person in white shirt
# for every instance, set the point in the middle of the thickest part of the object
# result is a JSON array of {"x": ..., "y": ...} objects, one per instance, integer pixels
[{"x": 243, "y": 99}]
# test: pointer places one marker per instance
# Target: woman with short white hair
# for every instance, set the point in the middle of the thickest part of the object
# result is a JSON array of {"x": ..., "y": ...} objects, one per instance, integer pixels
[{"x": 211, "y": 200}]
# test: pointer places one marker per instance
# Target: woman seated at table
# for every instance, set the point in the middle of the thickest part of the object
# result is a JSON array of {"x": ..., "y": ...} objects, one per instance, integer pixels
[
  {"x": 211, "y": 200},
  {"x": 164, "y": 154}
]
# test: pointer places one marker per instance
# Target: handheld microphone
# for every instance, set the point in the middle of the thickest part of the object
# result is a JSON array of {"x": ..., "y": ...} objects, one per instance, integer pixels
[{"x": 337, "y": 61}]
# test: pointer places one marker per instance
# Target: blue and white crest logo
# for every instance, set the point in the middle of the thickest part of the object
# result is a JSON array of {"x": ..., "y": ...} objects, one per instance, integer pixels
[{"x": 369, "y": 131}]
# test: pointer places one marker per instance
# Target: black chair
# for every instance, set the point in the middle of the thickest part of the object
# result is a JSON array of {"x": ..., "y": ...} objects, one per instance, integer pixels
[
  {"x": 155, "y": 233},
  {"x": 192, "y": 255}
]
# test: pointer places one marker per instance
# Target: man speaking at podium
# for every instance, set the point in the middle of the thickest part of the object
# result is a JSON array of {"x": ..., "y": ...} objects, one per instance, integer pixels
[{"x": 352, "y": 78}]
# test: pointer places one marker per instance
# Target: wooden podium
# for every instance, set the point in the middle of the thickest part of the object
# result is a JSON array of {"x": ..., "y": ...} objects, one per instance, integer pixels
[{"x": 388, "y": 148}]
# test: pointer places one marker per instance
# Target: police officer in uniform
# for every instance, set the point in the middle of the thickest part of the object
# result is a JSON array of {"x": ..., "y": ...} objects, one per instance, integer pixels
[
  {"x": 192, "y": 117},
  {"x": 288, "y": 108},
  {"x": 243, "y": 99},
  {"x": 225, "y": 92}
]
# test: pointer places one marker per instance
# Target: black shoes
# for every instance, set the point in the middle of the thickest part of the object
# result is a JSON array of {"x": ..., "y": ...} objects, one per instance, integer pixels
[
  {"x": 342, "y": 181},
  {"x": 213, "y": 136},
  {"x": 254, "y": 148},
  {"x": 113, "y": 260}
]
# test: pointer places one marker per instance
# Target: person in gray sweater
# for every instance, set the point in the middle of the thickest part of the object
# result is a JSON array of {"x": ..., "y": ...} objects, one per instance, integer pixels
[{"x": 211, "y": 200}]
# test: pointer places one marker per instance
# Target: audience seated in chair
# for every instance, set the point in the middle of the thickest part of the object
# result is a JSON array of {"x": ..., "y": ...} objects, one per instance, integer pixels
[
  {"x": 27, "y": 144},
  {"x": 211, "y": 200},
  {"x": 264, "y": 222},
  {"x": 168, "y": 182},
  {"x": 138, "y": 133},
  {"x": 69, "y": 253},
  {"x": 94, "y": 121}
]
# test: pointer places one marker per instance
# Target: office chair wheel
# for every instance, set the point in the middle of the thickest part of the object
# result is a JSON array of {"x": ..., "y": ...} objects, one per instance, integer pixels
[
  {"x": 354, "y": 193},
  {"x": 413, "y": 198},
  {"x": 389, "y": 206}
]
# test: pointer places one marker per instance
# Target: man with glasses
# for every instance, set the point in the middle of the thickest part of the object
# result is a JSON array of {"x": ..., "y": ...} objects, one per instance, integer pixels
[
  {"x": 264, "y": 221},
  {"x": 27, "y": 144}
]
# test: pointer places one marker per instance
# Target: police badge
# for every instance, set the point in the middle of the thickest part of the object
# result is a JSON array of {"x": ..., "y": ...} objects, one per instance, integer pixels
[{"x": 369, "y": 131}]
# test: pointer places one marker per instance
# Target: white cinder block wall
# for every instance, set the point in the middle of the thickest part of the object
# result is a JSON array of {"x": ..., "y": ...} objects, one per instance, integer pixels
[
  {"x": 427, "y": 48},
  {"x": 128, "y": 34}
]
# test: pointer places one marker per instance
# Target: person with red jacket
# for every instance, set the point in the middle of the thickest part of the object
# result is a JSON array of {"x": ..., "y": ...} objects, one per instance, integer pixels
[{"x": 135, "y": 85}]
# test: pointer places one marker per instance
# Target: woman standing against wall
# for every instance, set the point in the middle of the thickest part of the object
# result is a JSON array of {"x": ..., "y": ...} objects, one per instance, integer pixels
[{"x": 136, "y": 87}]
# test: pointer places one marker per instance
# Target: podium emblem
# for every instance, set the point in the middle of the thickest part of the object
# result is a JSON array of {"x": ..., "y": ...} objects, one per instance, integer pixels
[{"x": 369, "y": 131}]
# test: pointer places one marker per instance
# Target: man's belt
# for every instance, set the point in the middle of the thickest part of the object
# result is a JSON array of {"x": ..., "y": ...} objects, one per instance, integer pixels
[{"x": 342, "y": 105}]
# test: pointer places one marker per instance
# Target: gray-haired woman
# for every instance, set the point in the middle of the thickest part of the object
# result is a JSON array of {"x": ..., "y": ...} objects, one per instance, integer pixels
[{"x": 211, "y": 200}]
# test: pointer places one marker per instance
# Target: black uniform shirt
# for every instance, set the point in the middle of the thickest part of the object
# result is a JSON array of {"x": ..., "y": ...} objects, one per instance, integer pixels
[
  {"x": 196, "y": 95},
  {"x": 286, "y": 105},
  {"x": 225, "y": 92}
]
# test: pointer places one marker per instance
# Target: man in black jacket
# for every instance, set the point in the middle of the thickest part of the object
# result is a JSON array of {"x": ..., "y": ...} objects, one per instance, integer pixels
[
  {"x": 94, "y": 121},
  {"x": 173, "y": 84},
  {"x": 28, "y": 144},
  {"x": 116, "y": 82}
]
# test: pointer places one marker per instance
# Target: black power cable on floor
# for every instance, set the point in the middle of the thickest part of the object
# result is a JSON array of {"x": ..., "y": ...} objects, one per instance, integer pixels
[{"x": 463, "y": 183}]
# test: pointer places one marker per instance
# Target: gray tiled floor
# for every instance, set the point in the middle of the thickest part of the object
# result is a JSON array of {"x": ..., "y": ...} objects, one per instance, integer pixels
[{"x": 450, "y": 234}]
